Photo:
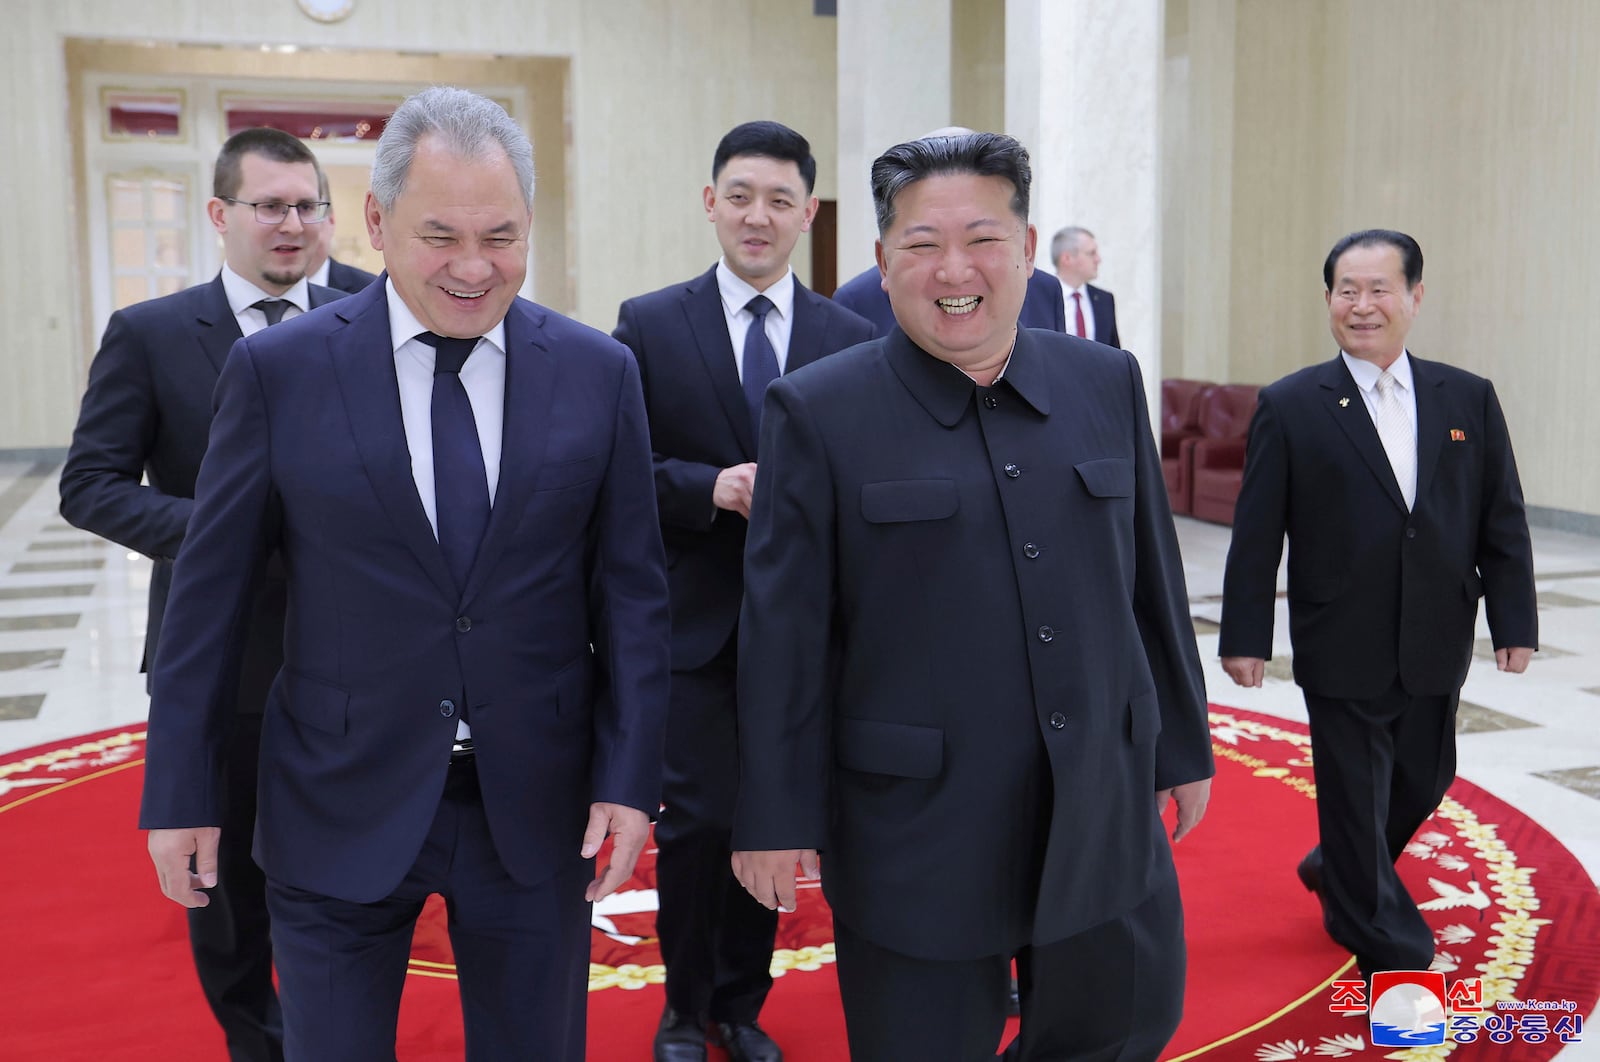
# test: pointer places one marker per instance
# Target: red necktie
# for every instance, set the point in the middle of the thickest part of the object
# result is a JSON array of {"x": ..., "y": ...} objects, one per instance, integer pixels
[{"x": 1077, "y": 308}]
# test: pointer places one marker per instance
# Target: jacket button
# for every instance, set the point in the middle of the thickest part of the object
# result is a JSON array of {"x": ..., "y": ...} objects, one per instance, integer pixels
[
  {"x": 1411, "y": 532},
  {"x": 990, "y": 401},
  {"x": 1030, "y": 550},
  {"x": 1013, "y": 470},
  {"x": 447, "y": 708},
  {"x": 463, "y": 624},
  {"x": 1047, "y": 634},
  {"x": 1058, "y": 721}
]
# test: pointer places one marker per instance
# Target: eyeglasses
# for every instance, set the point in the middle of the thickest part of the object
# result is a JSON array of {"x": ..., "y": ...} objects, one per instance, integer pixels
[{"x": 277, "y": 213}]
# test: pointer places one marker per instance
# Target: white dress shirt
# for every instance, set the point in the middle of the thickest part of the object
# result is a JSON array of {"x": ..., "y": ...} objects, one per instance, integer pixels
[
  {"x": 1366, "y": 376},
  {"x": 780, "y": 319},
  {"x": 243, "y": 295}
]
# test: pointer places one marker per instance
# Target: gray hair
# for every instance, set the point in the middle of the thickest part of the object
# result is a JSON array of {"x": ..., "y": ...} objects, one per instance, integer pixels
[
  {"x": 470, "y": 126},
  {"x": 983, "y": 154},
  {"x": 1068, "y": 239}
]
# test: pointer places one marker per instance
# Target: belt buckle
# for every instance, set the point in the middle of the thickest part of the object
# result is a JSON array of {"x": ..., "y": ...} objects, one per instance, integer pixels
[{"x": 462, "y": 751}]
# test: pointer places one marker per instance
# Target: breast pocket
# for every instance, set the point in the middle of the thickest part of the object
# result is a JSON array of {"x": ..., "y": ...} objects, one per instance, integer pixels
[
  {"x": 1107, "y": 477},
  {"x": 906, "y": 501}
]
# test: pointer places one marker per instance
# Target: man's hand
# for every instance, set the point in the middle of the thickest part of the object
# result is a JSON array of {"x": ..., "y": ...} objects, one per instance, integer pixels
[
  {"x": 769, "y": 876},
  {"x": 1191, "y": 798},
  {"x": 630, "y": 827},
  {"x": 733, "y": 488},
  {"x": 1514, "y": 659},
  {"x": 170, "y": 851},
  {"x": 1245, "y": 670}
]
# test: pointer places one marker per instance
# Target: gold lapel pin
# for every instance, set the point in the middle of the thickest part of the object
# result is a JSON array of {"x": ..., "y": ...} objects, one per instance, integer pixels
[{"x": 1343, "y": 402}]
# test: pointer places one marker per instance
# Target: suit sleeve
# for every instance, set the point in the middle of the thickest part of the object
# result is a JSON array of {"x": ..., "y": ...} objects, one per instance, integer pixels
[
  {"x": 101, "y": 489},
  {"x": 208, "y": 615},
  {"x": 682, "y": 488},
  {"x": 1260, "y": 519},
  {"x": 1505, "y": 549},
  {"x": 785, "y": 635},
  {"x": 1161, "y": 608},
  {"x": 631, "y": 637}
]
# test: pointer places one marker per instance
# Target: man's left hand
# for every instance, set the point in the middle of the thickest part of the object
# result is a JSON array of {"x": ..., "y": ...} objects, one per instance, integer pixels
[
  {"x": 1191, "y": 798},
  {"x": 630, "y": 827},
  {"x": 1514, "y": 659}
]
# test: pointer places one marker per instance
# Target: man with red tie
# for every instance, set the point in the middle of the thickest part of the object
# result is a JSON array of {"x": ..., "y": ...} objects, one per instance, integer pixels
[{"x": 1091, "y": 311}]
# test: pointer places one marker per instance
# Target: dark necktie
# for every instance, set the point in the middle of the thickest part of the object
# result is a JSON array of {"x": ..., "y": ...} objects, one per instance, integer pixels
[
  {"x": 1077, "y": 307},
  {"x": 760, "y": 360},
  {"x": 460, "y": 483},
  {"x": 273, "y": 308}
]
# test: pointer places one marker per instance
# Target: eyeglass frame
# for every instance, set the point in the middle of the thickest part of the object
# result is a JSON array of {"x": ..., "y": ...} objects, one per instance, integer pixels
[{"x": 323, "y": 207}]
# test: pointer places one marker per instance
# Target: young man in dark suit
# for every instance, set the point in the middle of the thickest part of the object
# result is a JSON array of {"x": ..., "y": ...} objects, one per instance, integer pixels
[
  {"x": 1394, "y": 481},
  {"x": 969, "y": 678},
  {"x": 475, "y": 653},
  {"x": 1091, "y": 311},
  {"x": 707, "y": 349},
  {"x": 327, "y": 270},
  {"x": 146, "y": 414}
]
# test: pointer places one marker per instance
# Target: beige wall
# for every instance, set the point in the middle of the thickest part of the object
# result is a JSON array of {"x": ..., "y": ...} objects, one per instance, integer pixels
[
  {"x": 650, "y": 88},
  {"x": 1466, "y": 123}
]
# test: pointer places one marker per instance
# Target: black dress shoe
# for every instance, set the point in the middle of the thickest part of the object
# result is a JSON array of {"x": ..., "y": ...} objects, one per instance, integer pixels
[
  {"x": 1310, "y": 875},
  {"x": 679, "y": 1039},
  {"x": 746, "y": 1042}
]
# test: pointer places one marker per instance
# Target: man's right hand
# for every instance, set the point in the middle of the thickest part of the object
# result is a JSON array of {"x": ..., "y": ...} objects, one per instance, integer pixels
[
  {"x": 170, "y": 851},
  {"x": 1245, "y": 670},
  {"x": 769, "y": 876},
  {"x": 733, "y": 488}
]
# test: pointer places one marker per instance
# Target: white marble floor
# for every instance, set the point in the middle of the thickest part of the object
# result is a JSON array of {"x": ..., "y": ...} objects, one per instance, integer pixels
[{"x": 72, "y": 617}]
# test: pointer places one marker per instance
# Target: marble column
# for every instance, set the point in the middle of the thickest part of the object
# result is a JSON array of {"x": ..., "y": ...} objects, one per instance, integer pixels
[
  {"x": 894, "y": 85},
  {"x": 1083, "y": 90}
]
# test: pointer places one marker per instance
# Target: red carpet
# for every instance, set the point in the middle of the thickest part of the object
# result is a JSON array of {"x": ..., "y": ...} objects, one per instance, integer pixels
[{"x": 100, "y": 966}]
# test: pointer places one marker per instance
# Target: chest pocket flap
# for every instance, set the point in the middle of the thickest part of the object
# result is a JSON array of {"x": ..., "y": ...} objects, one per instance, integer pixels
[
  {"x": 1107, "y": 477},
  {"x": 905, "y": 500}
]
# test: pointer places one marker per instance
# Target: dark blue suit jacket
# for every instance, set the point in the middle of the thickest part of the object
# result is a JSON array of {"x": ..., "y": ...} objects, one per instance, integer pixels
[
  {"x": 348, "y": 277},
  {"x": 864, "y": 294},
  {"x": 146, "y": 415},
  {"x": 699, "y": 425},
  {"x": 558, "y": 642}
]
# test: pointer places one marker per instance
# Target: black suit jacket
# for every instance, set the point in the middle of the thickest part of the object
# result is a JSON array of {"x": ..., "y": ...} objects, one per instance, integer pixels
[
  {"x": 967, "y": 662},
  {"x": 1376, "y": 591},
  {"x": 699, "y": 425},
  {"x": 1104, "y": 306},
  {"x": 348, "y": 278},
  {"x": 146, "y": 414},
  {"x": 864, "y": 294}
]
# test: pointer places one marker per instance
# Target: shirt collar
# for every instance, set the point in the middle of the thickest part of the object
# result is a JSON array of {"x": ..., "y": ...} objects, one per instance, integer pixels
[
  {"x": 736, "y": 292},
  {"x": 945, "y": 391},
  {"x": 1366, "y": 374},
  {"x": 242, "y": 294},
  {"x": 404, "y": 326},
  {"x": 319, "y": 276}
]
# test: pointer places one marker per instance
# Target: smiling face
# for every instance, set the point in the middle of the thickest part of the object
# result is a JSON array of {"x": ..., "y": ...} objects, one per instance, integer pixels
[
  {"x": 272, "y": 257},
  {"x": 1370, "y": 310},
  {"x": 956, "y": 261},
  {"x": 455, "y": 243},
  {"x": 760, "y": 207}
]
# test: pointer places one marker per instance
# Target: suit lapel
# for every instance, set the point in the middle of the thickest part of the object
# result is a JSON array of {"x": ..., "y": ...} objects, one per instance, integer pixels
[
  {"x": 1430, "y": 422},
  {"x": 1342, "y": 398},
  {"x": 809, "y": 330},
  {"x": 1102, "y": 314},
  {"x": 532, "y": 376},
  {"x": 215, "y": 326},
  {"x": 702, "y": 307},
  {"x": 363, "y": 361}
]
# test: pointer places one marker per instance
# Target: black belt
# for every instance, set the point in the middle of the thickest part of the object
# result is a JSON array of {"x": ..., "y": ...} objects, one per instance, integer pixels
[{"x": 462, "y": 753}]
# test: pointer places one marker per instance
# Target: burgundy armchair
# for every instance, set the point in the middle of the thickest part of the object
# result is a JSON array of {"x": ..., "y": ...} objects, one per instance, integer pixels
[
  {"x": 1180, "y": 420},
  {"x": 1216, "y": 458}
]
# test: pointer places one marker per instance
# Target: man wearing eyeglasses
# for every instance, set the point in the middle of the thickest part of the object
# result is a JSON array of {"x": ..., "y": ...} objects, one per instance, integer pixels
[{"x": 146, "y": 416}]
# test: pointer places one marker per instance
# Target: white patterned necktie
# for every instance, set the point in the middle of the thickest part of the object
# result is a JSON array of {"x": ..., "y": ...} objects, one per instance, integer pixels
[{"x": 1393, "y": 422}]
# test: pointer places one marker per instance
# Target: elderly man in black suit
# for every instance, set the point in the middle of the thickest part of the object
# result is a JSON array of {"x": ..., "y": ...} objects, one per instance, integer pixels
[
  {"x": 969, "y": 680},
  {"x": 1394, "y": 481},
  {"x": 707, "y": 349},
  {"x": 146, "y": 414}
]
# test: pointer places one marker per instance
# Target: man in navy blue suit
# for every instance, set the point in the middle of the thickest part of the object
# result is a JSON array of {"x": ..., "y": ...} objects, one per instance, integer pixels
[
  {"x": 1092, "y": 312},
  {"x": 707, "y": 349},
  {"x": 130, "y": 476},
  {"x": 475, "y": 656}
]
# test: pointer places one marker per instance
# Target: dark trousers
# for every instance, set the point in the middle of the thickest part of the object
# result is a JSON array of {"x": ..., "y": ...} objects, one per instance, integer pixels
[
  {"x": 716, "y": 941},
  {"x": 231, "y": 937},
  {"x": 521, "y": 952},
  {"x": 1381, "y": 767},
  {"x": 1113, "y": 993}
]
